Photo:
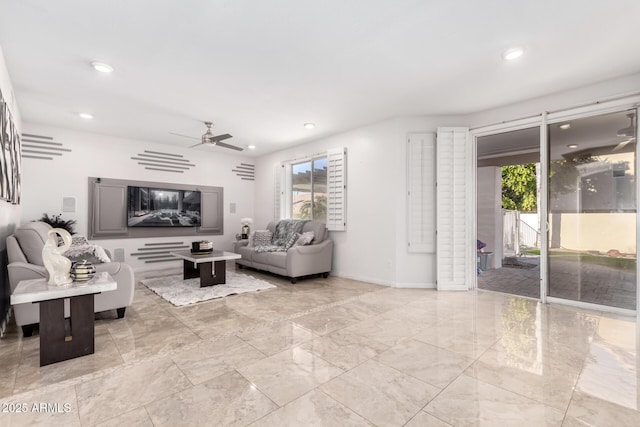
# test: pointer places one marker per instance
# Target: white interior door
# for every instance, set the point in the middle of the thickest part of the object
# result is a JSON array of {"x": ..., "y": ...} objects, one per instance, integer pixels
[{"x": 455, "y": 203}]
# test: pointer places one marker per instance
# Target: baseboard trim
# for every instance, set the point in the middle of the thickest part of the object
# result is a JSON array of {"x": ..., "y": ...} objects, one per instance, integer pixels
[
  {"x": 416, "y": 285},
  {"x": 375, "y": 281}
]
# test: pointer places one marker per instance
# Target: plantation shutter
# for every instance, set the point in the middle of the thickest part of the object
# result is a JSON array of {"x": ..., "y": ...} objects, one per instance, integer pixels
[
  {"x": 455, "y": 245},
  {"x": 421, "y": 192},
  {"x": 278, "y": 192},
  {"x": 336, "y": 189}
]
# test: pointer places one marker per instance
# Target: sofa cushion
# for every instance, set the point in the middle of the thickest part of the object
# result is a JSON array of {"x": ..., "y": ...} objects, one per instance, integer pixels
[
  {"x": 305, "y": 239},
  {"x": 278, "y": 259},
  {"x": 262, "y": 238},
  {"x": 31, "y": 237},
  {"x": 319, "y": 231},
  {"x": 247, "y": 253},
  {"x": 261, "y": 257}
]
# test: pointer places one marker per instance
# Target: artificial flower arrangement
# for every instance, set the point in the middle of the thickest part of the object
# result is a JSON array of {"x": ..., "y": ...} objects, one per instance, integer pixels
[{"x": 246, "y": 227}]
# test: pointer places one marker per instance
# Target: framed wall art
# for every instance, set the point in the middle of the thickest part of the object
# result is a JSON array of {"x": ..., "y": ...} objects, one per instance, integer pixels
[{"x": 10, "y": 156}]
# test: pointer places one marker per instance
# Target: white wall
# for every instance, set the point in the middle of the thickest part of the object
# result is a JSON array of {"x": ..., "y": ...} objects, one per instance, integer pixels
[
  {"x": 46, "y": 182},
  {"x": 374, "y": 246},
  {"x": 559, "y": 101},
  {"x": 413, "y": 269}
]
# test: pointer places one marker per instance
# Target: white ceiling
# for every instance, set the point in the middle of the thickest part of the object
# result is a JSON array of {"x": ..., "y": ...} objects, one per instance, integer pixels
[{"x": 261, "y": 69}]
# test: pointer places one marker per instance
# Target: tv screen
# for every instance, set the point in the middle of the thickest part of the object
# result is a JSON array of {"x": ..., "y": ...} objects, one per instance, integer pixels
[{"x": 158, "y": 207}]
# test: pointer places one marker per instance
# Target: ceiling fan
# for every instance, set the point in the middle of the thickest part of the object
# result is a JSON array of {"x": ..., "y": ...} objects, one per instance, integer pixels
[
  {"x": 628, "y": 132},
  {"x": 209, "y": 138}
]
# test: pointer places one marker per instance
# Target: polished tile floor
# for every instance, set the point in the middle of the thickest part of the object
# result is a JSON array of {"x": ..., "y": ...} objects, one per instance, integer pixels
[{"x": 335, "y": 352}]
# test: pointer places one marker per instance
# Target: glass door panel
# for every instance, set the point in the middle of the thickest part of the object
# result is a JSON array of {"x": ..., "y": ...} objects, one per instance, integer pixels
[{"x": 592, "y": 210}]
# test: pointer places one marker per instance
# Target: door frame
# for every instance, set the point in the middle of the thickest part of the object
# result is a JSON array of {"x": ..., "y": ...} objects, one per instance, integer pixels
[
  {"x": 525, "y": 123},
  {"x": 542, "y": 120}
]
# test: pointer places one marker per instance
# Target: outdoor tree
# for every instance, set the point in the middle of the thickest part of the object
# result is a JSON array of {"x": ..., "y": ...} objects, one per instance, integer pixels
[
  {"x": 319, "y": 208},
  {"x": 519, "y": 189}
]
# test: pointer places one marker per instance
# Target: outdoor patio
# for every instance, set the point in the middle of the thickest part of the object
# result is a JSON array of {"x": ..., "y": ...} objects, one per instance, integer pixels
[{"x": 586, "y": 282}]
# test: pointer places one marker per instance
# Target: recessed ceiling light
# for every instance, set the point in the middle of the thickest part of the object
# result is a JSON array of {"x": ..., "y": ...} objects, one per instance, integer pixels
[
  {"x": 512, "y": 54},
  {"x": 565, "y": 126},
  {"x": 572, "y": 145},
  {"x": 86, "y": 116},
  {"x": 251, "y": 147},
  {"x": 310, "y": 125},
  {"x": 102, "y": 67}
]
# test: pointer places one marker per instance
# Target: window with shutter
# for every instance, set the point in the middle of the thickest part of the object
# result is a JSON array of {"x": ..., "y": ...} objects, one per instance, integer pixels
[
  {"x": 314, "y": 188},
  {"x": 421, "y": 193}
]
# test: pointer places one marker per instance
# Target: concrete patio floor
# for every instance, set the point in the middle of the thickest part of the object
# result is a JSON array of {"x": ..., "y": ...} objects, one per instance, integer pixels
[{"x": 590, "y": 283}]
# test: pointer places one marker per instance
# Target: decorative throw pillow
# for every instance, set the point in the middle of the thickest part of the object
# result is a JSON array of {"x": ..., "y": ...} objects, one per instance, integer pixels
[
  {"x": 262, "y": 238},
  {"x": 293, "y": 238},
  {"x": 252, "y": 237},
  {"x": 305, "y": 239}
]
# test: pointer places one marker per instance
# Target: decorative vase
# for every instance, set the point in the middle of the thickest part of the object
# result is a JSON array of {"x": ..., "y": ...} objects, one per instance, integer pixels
[
  {"x": 57, "y": 266},
  {"x": 82, "y": 271}
]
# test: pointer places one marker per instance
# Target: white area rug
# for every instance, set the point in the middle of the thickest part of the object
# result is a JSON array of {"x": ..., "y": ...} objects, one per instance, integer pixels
[{"x": 183, "y": 292}]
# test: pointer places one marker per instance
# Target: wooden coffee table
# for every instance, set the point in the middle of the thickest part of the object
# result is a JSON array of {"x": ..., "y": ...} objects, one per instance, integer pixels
[
  {"x": 210, "y": 267},
  {"x": 57, "y": 341}
]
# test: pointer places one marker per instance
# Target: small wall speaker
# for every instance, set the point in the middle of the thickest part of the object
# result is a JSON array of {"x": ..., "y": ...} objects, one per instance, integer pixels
[
  {"x": 232, "y": 208},
  {"x": 68, "y": 204}
]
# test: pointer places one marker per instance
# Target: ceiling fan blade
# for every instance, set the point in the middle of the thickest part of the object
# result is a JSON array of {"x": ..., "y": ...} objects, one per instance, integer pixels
[
  {"x": 199, "y": 143},
  {"x": 233, "y": 147},
  {"x": 186, "y": 136},
  {"x": 220, "y": 137}
]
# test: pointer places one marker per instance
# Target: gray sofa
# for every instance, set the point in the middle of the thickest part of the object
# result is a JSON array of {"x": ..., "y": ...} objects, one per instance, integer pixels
[
  {"x": 298, "y": 261},
  {"x": 24, "y": 250}
]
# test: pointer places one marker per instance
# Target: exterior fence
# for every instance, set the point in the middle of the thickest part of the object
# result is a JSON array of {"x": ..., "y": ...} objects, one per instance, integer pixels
[
  {"x": 517, "y": 234},
  {"x": 510, "y": 233}
]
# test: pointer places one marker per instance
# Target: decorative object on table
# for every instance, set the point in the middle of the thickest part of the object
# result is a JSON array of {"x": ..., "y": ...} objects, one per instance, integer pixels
[
  {"x": 57, "y": 265},
  {"x": 238, "y": 236},
  {"x": 182, "y": 292},
  {"x": 201, "y": 247},
  {"x": 246, "y": 227},
  {"x": 82, "y": 271},
  {"x": 81, "y": 250},
  {"x": 56, "y": 221}
]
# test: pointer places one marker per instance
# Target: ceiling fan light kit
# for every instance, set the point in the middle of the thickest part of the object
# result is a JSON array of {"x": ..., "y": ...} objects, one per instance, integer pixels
[
  {"x": 629, "y": 131},
  {"x": 209, "y": 138}
]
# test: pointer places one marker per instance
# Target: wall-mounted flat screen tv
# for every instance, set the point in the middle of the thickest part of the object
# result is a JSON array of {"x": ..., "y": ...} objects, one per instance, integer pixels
[{"x": 158, "y": 207}]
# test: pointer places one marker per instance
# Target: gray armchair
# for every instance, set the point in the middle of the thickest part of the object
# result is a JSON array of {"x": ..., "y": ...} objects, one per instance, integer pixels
[{"x": 24, "y": 249}]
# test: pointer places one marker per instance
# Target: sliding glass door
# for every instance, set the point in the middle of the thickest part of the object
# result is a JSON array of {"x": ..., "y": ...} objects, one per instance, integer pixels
[{"x": 592, "y": 210}]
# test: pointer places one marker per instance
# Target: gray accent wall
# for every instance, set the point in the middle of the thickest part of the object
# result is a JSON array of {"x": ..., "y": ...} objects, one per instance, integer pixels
[{"x": 108, "y": 210}]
